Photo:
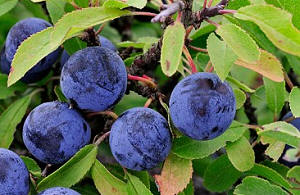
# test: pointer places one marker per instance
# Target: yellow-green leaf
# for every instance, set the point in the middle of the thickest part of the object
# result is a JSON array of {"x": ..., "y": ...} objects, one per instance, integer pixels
[
  {"x": 240, "y": 42},
  {"x": 105, "y": 182},
  {"x": 267, "y": 65},
  {"x": 171, "y": 51},
  {"x": 39, "y": 45},
  {"x": 221, "y": 56},
  {"x": 175, "y": 176},
  {"x": 276, "y": 24},
  {"x": 294, "y": 101}
]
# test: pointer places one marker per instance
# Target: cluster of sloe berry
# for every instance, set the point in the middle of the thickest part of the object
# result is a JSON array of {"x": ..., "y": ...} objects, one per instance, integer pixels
[{"x": 95, "y": 79}]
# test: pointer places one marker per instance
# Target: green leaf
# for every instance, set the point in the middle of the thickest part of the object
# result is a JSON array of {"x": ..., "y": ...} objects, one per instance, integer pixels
[
  {"x": 270, "y": 174},
  {"x": 275, "y": 149},
  {"x": 188, "y": 148},
  {"x": 240, "y": 98},
  {"x": 241, "y": 154},
  {"x": 240, "y": 85},
  {"x": 274, "y": 95},
  {"x": 276, "y": 24},
  {"x": 294, "y": 173},
  {"x": 268, "y": 66},
  {"x": 115, "y": 4},
  {"x": 171, "y": 51},
  {"x": 294, "y": 101},
  {"x": 130, "y": 101},
  {"x": 137, "y": 3},
  {"x": 73, "y": 45},
  {"x": 39, "y": 45},
  {"x": 60, "y": 96},
  {"x": 240, "y": 42},
  {"x": 279, "y": 168},
  {"x": 7, "y": 5},
  {"x": 292, "y": 6},
  {"x": 189, "y": 190},
  {"x": 283, "y": 132},
  {"x": 135, "y": 186},
  {"x": 220, "y": 175},
  {"x": 56, "y": 9},
  {"x": 32, "y": 166},
  {"x": 254, "y": 185},
  {"x": 175, "y": 175},
  {"x": 7, "y": 92},
  {"x": 72, "y": 171},
  {"x": 143, "y": 176},
  {"x": 105, "y": 182},
  {"x": 10, "y": 118},
  {"x": 221, "y": 56}
]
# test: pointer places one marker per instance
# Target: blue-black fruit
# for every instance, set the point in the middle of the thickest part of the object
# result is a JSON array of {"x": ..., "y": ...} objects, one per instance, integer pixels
[
  {"x": 202, "y": 106},
  {"x": 104, "y": 42},
  {"x": 17, "y": 34},
  {"x": 14, "y": 176},
  {"x": 53, "y": 133},
  {"x": 140, "y": 139},
  {"x": 283, "y": 159},
  {"x": 59, "y": 191},
  {"x": 94, "y": 78}
]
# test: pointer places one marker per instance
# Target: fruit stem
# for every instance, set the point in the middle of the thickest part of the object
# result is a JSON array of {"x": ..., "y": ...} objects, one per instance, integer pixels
[
  {"x": 102, "y": 138},
  {"x": 107, "y": 113},
  {"x": 289, "y": 119},
  {"x": 208, "y": 66},
  {"x": 148, "y": 102},
  {"x": 100, "y": 29},
  {"x": 198, "y": 49},
  {"x": 45, "y": 171},
  {"x": 189, "y": 58},
  {"x": 288, "y": 81},
  {"x": 144, "y": 80}
]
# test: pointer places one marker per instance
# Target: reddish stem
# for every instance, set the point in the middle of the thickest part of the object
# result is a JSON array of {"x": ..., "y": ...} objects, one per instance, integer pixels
[
  {"x": 198, "y": 49},
  {"x": 190, "y": 59},
  {"x": 144, "y": 14},
  {"x": 204, "y": 4},
  {"x": 227, "y": 11},
  {"x": 146, "y": 81},
  {"x": 147, "y": 77},
  {"x": 212, "y": 22},
  {"x": 188, "y": 31},
  {"x": 178, "y": 19},
  {"x": 211, "y": 69},
  {"x": 209, "y": 3},
  {"x": 75, "y": 5},
  {"x": 148, "y": 102},
  {"x": 100, "y": 29}
]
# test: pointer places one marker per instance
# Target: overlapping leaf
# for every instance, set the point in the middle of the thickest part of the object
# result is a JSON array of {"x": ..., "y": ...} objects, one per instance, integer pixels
[
  {"x": 276, "y": 24},
  {"x": 39, "y": 45},
  {"x": 173, "y": 41}
]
